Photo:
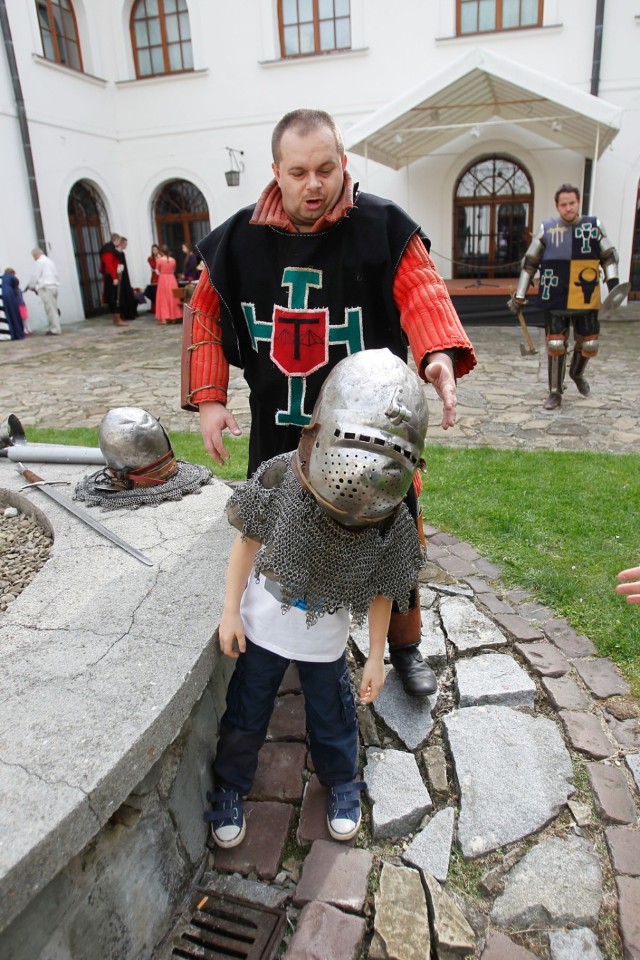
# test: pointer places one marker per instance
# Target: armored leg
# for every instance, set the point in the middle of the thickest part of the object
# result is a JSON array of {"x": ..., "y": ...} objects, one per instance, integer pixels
[
  {"x": 586, "y": 333},
  {"x": 557, "y": 330}
]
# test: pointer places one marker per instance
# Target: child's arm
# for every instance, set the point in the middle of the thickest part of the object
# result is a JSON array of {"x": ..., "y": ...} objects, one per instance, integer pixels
[
  {"x": 373, "y": 673},
  {"x": 243, "y": 553}
]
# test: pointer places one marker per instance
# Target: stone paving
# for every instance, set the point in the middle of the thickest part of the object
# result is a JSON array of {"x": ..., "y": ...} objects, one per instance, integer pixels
[{"x": 501, "y": 815}]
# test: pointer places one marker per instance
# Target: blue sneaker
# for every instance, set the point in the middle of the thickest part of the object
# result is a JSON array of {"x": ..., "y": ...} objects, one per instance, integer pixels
[
  {"x": 343, "y": 809},
  {"x": 228, "y": 825}
]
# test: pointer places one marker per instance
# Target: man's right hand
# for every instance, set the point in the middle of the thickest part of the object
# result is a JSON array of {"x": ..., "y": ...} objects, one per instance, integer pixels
[
  {"x": 214, "y": 418},
  {"x": 516, "y": 303}
]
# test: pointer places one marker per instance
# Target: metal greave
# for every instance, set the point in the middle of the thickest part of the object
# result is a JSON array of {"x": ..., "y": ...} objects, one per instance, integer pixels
[{"x": 557, "y": 367}]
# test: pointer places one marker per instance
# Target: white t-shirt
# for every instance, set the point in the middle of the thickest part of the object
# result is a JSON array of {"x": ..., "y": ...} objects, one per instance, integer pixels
[{"x": 287, "y": 633}]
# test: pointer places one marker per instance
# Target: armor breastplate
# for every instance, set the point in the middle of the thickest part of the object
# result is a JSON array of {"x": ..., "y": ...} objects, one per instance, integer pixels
[{"x": 570, "y": 267}]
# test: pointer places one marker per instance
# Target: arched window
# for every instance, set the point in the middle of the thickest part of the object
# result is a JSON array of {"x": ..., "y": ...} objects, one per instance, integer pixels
[
  {"x": 313, "y": 26},
  {"x": 89, "y": 230},
  {"x": 493, "y": 211},
  {"x": 181, "y": 215},
  {"x": 59, "y": 32},
  {"x": 161, "y": 37}
]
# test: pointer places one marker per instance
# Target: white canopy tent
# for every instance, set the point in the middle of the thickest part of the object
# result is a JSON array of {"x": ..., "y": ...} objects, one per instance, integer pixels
[{"x": 482, "y": 89}]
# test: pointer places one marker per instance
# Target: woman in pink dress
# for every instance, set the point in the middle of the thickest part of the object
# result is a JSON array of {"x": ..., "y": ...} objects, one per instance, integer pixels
[{"x": 168, "y": 306}]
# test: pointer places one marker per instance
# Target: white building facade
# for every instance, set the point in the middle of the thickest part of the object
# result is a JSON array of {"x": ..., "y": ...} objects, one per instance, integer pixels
[{"x": 126, "y": 116}]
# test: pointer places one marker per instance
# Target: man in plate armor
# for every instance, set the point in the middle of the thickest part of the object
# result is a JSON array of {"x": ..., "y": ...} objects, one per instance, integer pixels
[{"x": 569, "y": 251}]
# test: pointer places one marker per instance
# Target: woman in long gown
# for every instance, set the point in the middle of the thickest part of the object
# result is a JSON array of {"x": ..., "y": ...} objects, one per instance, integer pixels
[
  {"x": 168, "y": 306},
  {"x": 10, "y": 320}
]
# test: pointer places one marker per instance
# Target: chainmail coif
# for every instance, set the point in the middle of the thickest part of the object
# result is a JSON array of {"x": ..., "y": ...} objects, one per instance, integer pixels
[{"x": 316, "y": 559}]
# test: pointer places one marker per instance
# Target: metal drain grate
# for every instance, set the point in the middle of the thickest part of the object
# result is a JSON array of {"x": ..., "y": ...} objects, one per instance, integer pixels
[{"x": 226, "y": 928}]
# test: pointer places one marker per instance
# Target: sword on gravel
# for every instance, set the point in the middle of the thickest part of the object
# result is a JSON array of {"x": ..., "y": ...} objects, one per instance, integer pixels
[{"x": 62, "y": 501}]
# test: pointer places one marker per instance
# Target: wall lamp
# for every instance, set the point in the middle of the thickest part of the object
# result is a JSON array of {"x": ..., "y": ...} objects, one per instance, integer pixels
[{"x": 236, "y": 167}]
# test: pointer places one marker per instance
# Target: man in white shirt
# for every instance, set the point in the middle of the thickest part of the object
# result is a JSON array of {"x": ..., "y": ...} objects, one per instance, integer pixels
[{"x": 45, "y": 282}]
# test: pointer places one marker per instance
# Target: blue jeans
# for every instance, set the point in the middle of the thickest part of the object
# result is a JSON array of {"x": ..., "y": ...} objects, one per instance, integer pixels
[{"x": 330, "y": 712}]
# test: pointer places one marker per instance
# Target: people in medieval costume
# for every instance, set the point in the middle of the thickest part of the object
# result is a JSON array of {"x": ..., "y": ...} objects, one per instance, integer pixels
[
  {"x": 569, "y": 251},
  {"x": 11, "y": 296},
  {"x": 168, "y": 305},
  {"x": 111, "y": 268},
  {"x": 313, "y": 272},
  {"x": 189, "y": 264},
  {"x": 310, "y": 554},
  {"x": 128, "y": 302},
  {"x": 152, "y": 286}
]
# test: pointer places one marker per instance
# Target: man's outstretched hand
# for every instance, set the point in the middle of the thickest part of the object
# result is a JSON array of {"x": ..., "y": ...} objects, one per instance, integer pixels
[
  {"x": 214, "y": 418},
  {"x": 439, "y": 372}
]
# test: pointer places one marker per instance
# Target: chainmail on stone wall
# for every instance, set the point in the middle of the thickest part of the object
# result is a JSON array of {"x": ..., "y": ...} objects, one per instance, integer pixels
[{"x": 316, "y": 559}]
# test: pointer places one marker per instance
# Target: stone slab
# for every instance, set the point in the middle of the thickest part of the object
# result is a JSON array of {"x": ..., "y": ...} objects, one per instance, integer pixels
[
  {"x": 602, "y": 677},
  {"x": 409, "y": 717},
  {"x": 632, "y": 761},
  {"x": 260, "y": 852},
  {"x": 493, "y": 678},
  {"x": 566, "y": 639},
  {"x": 324, "y": 928},
  {"x": 235, "y": 885},
  {"x": 611, "y": 793},
  {"x": 501, "y": 947},
  {"x": 432, "y": 646},
  {"x": 513, "y": 773},
  {"x": 625, "y": 732},
  {"x": 557, "y": 883},
  {"x": 430, "y": 850},
  {"x": 336, "y": 874},
  {"x": 580, "y": 944},
  {"x": 545, "y": 659},
  {"x": 401, "y": 925},
  {"x": 279, "y": 772},
  {"x": 624, "y": 848},
  {"x": 452, "y": 932},
  {"x": 586, "y": 734},
  {"x": 466, "y": 627},
  {"x": 399, "y": 797},
  {"x": 435, "y": 762},
  {"x": 629, "y": 915},
  {"x": 565, "y": 694},
  {"x": 518, "y": 627},
  {"x": 291, "y": 680}
]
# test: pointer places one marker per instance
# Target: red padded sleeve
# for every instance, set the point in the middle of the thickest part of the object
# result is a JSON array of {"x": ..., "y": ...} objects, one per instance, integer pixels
[
  {"x": 427, "y": 314},
  {"x": 209, "y": 370}
]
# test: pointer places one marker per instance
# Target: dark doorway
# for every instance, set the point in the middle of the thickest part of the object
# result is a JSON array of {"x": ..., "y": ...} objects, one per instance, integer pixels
[
  {"x": 89, "y": 230},
  {"x": 181, "y": 215},
  {"x": 493, "y": 208}
]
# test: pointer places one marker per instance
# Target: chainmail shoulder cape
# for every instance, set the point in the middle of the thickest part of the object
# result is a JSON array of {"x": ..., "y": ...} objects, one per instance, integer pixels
[
  {"x": 188, "y": 478},
  {"x": 316, "y": 559}
]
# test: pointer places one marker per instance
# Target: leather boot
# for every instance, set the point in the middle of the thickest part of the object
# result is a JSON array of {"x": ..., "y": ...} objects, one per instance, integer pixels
[
  {"x": 553, "y": 401},
  {"x": 416, "y": 676}
]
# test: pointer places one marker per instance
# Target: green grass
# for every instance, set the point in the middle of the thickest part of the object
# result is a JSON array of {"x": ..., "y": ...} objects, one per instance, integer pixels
[{"x": 559, "y": 524}]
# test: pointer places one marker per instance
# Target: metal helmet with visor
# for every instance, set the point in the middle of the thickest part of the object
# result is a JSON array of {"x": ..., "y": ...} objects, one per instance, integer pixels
[{"x": 359, "y": 454}]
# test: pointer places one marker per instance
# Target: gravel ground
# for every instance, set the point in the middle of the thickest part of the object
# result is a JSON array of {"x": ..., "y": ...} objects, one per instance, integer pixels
[{"x": 24, "y": 549}]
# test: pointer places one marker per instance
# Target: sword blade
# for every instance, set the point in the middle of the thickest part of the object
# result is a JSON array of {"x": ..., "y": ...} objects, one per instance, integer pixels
[{"x": 81, "y": 514}]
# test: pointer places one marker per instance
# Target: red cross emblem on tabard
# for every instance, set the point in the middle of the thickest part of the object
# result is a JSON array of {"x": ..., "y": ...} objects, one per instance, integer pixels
[{"x": 300, "y": 344}]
